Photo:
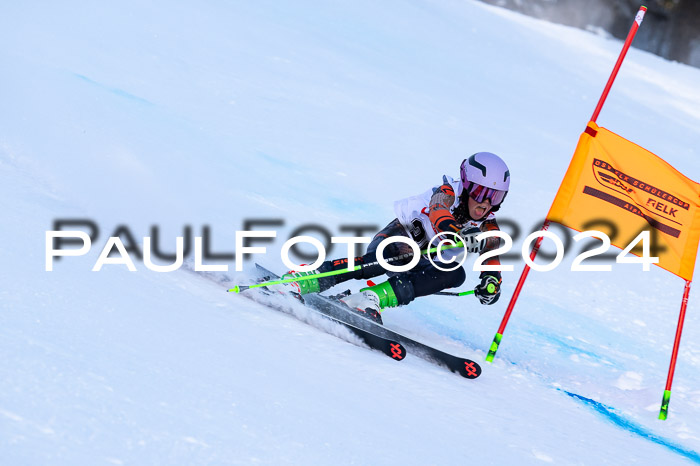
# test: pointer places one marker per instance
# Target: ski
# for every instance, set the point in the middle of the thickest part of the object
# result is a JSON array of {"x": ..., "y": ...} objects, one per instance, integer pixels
[
  {"x": 340, "y": 312},
  {"x": 391, "y": 348}
]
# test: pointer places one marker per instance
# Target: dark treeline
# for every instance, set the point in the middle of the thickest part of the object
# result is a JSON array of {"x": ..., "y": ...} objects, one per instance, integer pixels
[{"x": 671, "y": 28}]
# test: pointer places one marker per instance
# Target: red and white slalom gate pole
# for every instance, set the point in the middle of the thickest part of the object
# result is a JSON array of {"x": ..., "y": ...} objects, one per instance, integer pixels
[
  {"x": 630, "y": 36},
  {"x": 516, "y": 293},
  {"x": 663, "y": 413}
]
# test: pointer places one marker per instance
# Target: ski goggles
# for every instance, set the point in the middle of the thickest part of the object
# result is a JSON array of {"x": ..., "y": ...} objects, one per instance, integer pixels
[{"x": 481, "y": 193}]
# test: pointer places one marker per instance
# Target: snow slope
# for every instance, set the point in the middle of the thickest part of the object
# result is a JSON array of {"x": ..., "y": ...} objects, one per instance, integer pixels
[{"x": 176, "y": 114}]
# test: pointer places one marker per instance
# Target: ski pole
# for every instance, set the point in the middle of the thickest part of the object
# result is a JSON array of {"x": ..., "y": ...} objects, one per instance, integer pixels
[
  {"x": 241, "y": 288},
  {"x": 490, "y": 288},
  {"x": 452, "y": 293}
]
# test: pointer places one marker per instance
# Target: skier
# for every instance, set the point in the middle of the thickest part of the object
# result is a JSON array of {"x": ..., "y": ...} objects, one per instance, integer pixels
[{"x": 465, "y": 207}]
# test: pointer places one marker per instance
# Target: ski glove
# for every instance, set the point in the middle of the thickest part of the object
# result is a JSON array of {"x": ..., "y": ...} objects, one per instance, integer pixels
[
  {"x": 489, "y": 290},
  {"x": 468, "y": 235}
]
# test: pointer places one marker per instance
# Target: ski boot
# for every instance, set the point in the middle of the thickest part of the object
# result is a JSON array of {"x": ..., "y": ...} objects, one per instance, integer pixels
[
  {"x": 370, "y": 302},
  {"x": 301, "y": 287}
]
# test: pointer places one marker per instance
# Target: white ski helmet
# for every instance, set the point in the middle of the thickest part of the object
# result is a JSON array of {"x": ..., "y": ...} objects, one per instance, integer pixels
[{"x": 486, "y": 176}]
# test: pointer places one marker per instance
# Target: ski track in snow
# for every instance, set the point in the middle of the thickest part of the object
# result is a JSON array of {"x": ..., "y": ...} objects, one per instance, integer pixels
[
  {"x": 609, "y": 413},
  {"x": 612, "y": 416}
]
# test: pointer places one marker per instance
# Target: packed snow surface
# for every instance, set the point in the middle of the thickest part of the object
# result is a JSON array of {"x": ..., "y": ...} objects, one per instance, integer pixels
[{"x": 209, "y": 115}]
